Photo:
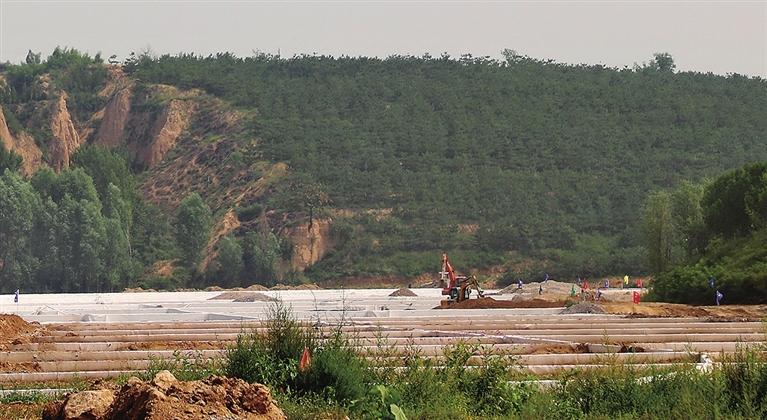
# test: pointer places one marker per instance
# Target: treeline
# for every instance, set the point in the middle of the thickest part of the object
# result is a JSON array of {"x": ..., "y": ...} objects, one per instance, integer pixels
[
  {"x": 710, "y": 236},
  {"x": 87, "y": 230},
  {"x": 480, "y": 156}
]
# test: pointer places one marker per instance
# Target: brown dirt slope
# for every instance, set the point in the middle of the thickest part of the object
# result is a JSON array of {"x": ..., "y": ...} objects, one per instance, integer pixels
[
  {"x": 65, "y": 140},
  {"x": 23, "y": 145},
  {"x": 167, "y": 398}
]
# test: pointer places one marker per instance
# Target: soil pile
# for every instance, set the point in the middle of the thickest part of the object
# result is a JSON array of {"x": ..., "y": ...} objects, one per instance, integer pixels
[
  {"x": 167, "y": 398},
  {"x": 490, "y": 303},
  {"x": 280, "y": 286},
  {"x": 256, "y": 288},
  {"x": 14, "y": 330},
  {"x": 244, "y": 297},
  {"x": 402, "y": 292},
  {"x": 584, "y": 308},
  {"x": 551, "y": 287}
]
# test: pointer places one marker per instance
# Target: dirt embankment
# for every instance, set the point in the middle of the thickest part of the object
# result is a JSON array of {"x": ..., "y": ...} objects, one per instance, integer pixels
[
  {"x": 14, "y": 330},
  {"x": 714, "y": 313},
  {"x": 165, "y": 397},
  {"x": 65, "y": 140},
  {"x": 23, "y": 145},
  {"x": 490, "y": 303}
]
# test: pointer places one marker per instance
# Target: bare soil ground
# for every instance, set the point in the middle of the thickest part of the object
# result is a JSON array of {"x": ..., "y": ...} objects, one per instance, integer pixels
[
  {"x": 14, "y": 330},
  {"x": 165, "y": 397}
]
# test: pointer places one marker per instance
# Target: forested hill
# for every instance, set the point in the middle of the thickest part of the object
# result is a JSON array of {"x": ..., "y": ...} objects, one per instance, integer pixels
[
  {"x": 318, "y": 167},
  {"x": 525, "y": 155}
]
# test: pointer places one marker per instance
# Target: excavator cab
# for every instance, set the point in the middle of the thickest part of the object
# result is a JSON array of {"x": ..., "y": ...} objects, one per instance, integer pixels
[{"x": 457, "y": 288}]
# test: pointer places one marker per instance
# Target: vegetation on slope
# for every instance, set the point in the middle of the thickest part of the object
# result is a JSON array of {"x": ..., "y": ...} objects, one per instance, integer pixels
[
  {"x": 531, "y": 164},
  {"x": 710, "y": 237},
  {"x": 481, "y": 156}
]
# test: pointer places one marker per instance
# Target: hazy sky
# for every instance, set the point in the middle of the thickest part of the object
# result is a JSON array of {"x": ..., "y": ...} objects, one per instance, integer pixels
[{"x": 721, "y": 37}]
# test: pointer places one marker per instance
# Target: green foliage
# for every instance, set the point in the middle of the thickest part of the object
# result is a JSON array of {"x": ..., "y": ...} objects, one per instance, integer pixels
[
  {"x": 695, "y": 233},
  {"x": 185, "y": 366},
  {"x": 226, "y": 268},
  {"x": 533, "y": 152},
  {"x": 261, "y": 255},
  {"x": 193, "y": 224},
  {"x": 9, "y": 159},
  {"x": 736, "y": 202},
  {"x": 271, "y": 357}
]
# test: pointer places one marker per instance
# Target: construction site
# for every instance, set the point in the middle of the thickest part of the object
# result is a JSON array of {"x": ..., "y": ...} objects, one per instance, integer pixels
[{"x": 60, "y": 337}]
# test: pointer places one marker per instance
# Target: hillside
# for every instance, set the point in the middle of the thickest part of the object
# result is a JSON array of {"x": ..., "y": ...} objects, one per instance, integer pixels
[{"x": 362, "y": 167}]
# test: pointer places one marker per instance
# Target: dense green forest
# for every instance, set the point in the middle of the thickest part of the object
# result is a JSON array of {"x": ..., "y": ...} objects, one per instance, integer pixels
[
  {"x": 551, "y": 161},
  {"x": 710, "y": 236},
  {"x": 530, "y": 164}
]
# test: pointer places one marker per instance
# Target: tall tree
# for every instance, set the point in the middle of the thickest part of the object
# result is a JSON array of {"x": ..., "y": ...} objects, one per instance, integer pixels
[
  {"x": 193, "y": 224},
  {"x": 18, "y": 204}
]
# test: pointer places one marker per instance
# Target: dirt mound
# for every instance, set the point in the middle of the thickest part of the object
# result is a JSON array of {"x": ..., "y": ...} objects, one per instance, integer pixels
[
  {"x": 256, "y": 288},
  {"x": 244, "y": 297},
  {"x": 490, "y": 303},
  {"x": 14, "y": 330},
  {"x": 551, "y": 287},
  {"x": 584, "y": 308},
  {"x": 402, "y": 292},
  {"x": 166, "y": 398},
  {"x": 280, "y": 286}
]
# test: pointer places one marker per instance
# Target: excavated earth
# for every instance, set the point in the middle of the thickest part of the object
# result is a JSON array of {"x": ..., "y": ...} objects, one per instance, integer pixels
[{"x": 167, "y": 398}]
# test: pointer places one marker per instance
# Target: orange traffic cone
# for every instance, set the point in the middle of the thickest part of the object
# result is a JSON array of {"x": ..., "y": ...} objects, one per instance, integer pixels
[{"x": 306, "y": 360}]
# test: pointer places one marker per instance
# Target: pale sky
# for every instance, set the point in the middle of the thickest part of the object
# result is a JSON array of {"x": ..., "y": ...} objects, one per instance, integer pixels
[{"x": 720, "y": 37}]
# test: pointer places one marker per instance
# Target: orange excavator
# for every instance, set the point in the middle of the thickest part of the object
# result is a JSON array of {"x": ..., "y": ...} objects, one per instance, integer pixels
[{"x": 457, "y": 288}]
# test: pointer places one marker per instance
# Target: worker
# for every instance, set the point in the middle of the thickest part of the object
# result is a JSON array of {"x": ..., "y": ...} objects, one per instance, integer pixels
[
  {"x": 540, "y": 288},
  {"x": 626, "y": 281},
  {"x": 572, "y": 291},
  {"x": 586, "y": 285},
  {"x": 599, "y": 294},
  {"x": 519, "y": 284},
  {"x": 607, "y": 284}
]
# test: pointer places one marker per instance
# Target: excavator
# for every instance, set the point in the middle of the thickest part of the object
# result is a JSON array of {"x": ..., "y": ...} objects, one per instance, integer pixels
[{"x": 457, "y": 288}]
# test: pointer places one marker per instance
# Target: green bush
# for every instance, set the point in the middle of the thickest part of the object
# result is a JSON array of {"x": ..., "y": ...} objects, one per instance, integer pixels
[{"x": 270, "y": 357}]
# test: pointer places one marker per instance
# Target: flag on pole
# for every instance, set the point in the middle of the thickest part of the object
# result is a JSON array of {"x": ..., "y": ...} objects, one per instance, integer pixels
[
  {"x": 719, "y": 297},
  {"x": 305, "y": 361},
  {"x": 16, "y": 296},
  {"x": 636, "y": 298}
]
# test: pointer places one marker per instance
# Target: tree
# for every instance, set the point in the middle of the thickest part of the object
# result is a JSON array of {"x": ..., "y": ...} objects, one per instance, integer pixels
[
  {"x": 658, "y": 230},
  {"x": 193, "y": 225},
  {"x": 18, "y": 204},
  {"x": 33, "y": 58},
  {"x": 261, "y": 255},
  {"x": 227, "y": 267},
  {"x": 664, "y": 62},
  {"x": 9, "y": 160},
  {"x": 736, "y": 202}
]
